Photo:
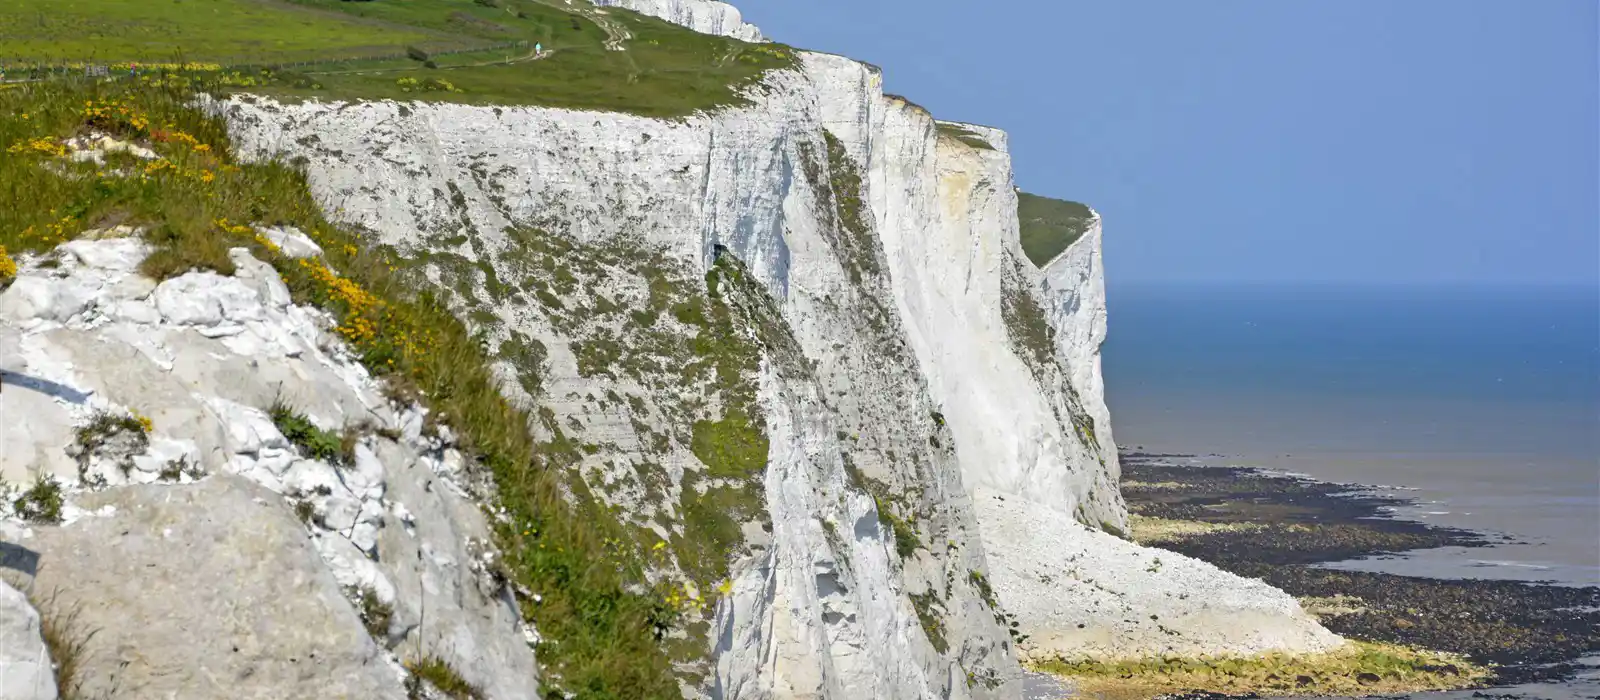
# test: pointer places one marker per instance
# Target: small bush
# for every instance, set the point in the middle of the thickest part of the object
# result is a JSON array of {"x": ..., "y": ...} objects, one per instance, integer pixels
[
  {"x": 106, "y": 428},
  {"x": 41, "y": 503},
  {"x": 315, "y": 442},
  {"x": 416, "y": 54}
]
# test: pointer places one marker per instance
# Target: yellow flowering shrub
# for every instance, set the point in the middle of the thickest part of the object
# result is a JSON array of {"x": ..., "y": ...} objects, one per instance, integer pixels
[
  {"x": 8, "y": 267},
  {"x": 362, "y": 308},
  {"x": 40, "y": 146},
  {"x": 53, "y": 234},
  {"x": 115, "y": 116}
]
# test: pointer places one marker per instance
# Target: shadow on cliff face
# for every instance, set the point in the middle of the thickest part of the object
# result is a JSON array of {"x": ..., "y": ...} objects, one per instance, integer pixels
[
  {"x": 42, "y": 386},
  {"x": 1278, "y": 528}
]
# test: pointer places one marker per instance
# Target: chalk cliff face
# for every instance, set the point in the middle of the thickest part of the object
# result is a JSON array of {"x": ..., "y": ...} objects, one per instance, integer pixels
[
  {"x": 797, "y": 343},
  {"x": 704, "y": 16},
  {"x": 940, "y": 459}
]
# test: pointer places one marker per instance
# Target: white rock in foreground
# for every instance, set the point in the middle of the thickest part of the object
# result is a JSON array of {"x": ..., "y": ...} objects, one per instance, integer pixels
[
  {"x": 236, "y": 596},
  {"x": 25, "y": 668}
]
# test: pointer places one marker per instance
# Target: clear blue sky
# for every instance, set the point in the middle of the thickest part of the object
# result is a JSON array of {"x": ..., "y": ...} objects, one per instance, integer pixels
[{"x": 1390, "y": 141}]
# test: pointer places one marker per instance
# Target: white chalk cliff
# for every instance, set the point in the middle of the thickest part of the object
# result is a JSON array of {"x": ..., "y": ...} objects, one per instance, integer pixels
[
  {"x": 940, "y": 476},
  {"x": 704, "y": 16}
]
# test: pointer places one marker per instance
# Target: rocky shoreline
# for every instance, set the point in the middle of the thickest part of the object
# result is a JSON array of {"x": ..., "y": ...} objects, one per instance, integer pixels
[{"x": 1279, "y": 527}]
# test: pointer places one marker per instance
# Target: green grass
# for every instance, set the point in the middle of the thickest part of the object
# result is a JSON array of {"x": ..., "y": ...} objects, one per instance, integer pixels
[
  {"x": 435, "y": 672},
  {"x": 375, "y": 614},
  {"x": 732, "y": 448},
  {"x": 1032, "y": 336},
  {"x": 67, "y": 640},
  {"x": 1049, "y": 226},
  {"x": 930, "y": 614},
  {"x": 118, "y": 436},
  {"x": 599, "y": 615},
  {"x": 314, "y": 442},
  {"x": 964, "y": 135},
  {"x": 887, "y": 503},
  {"x": 41, "y": 502},
  {"x": 360, "y": 49},
  {"x": 232, "y": 31}
]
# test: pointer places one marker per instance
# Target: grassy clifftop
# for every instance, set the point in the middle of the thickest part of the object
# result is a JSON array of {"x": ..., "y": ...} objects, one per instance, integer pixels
[
  {"x": 469, "y": 51},
  {"x": 1050, "y": 225}
]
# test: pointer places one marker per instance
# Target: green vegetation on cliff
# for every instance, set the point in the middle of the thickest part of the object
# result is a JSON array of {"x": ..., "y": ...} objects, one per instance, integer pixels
[
  {"x": 468, "y": 51},
  {"x": 964, "y": 135},
  {"x": 1049, "y": 226}
]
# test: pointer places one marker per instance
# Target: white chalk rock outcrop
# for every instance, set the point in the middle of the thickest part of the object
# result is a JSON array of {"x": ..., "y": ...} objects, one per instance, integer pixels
[
  {"x": 704, "y": 16},
  {"x": 25, "y": 668},
  {"x": 213, "y": 526}
]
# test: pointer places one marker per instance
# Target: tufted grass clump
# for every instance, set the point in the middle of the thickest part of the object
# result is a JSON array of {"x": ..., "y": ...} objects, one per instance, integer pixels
[
  {"x": 41, "y": 502},
  {"x": 375, "y": 614},
  {"x": 114, "y": 435},
  {"x": 315, "y": 442},
  {"x": 1358, "y": 668},
  {"x": 67, "y": 640},
  {"x": 434, "y": 672},
  {"x": 964, "y": 135}
]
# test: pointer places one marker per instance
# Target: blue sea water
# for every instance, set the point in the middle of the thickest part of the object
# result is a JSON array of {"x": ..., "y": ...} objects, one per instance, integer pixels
[{"x": 1481, "y": 403}]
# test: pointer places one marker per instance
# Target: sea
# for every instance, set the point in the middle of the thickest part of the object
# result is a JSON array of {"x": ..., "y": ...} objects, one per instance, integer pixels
[{"x": 1480, "y": 404}]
